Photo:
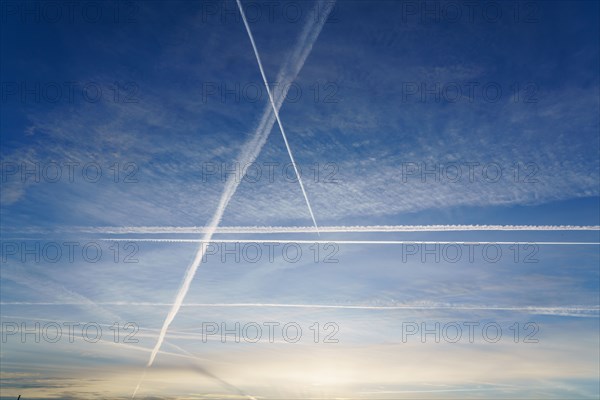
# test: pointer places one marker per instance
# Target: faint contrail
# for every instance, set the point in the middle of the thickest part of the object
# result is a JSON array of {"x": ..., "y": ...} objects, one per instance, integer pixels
[
  {"x": 248, "y": 155},
  {"x": 573, "y": 310},
  {"x": 276, "y": 112},
  {"x": 205, "y": 372},
  {"x": 428, "y": 391},
  {"x": 18, "y": 274},
  {"x": 310, "y": 229},
  {"x": 183, "y": 354}
]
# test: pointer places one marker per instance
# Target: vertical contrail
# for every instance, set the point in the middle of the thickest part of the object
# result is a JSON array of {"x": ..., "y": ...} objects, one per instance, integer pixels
[
  {"x": 249, "y": 153},
  {"x": 276, "y": 112}
]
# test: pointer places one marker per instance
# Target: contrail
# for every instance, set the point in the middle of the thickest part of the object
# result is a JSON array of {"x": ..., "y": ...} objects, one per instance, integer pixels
[
  {"x": 311, "y": 229},
  {"x": 573, "y": 310},
  {"x": 183, "y": 354},
  {"x": 203, "y": 371},
  {"x": 48, "y": 287},
  {"x": 428, "y": 391},
  {"x": 248, "y": 155},
  {"x": 276, "y": 112},
  {"x": 383, "y": 242}
]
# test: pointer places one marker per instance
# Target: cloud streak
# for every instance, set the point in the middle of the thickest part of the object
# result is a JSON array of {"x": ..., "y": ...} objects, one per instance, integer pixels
[
  {"x": 383, "y": 242},
  {"x": 574, "y": 310},
  {"x": 309, "y": 229}
]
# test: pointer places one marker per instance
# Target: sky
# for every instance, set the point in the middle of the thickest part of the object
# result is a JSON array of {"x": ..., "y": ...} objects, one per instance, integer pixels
[{"x": 449, "y": 152}]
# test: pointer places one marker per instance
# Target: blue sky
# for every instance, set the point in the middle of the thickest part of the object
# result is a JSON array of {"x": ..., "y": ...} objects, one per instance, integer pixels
[{"x": 500, "y": 100}]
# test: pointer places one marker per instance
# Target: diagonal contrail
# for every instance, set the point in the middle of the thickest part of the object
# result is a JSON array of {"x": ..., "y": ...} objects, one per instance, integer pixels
[
  {"x": 18, "y": 274},
  {"x": 276, "y": 112},
  {"x": 249, "y": 153}
]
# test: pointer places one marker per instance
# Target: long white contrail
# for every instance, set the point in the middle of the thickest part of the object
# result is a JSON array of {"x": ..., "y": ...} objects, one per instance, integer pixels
[
  {"x": 248, "y": 155},
  {"x": 276, "y": 112},
  {"x": 303, "y": 241},
  {"x": 579, "y": 310},
  {"x": 310, "y": 229}
]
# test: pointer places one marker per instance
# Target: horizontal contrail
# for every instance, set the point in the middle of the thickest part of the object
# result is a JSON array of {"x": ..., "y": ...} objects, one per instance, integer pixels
[
  {"x": 558, "y": 310},
  {"x": 292, "y": 241},
  {"x": 310, "y": 229}
]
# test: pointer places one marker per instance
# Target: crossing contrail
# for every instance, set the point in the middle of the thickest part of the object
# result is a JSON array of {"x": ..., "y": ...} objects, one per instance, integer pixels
[
  {"x": 276, "y": 112},
  {"x": 248, "y": 154}
]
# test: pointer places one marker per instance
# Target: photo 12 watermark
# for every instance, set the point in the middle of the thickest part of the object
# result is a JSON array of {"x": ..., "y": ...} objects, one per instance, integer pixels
[
  {"x": 469, "y": 252},
  {"x": 216, "y": 12},
  {"x": 68, "y": 92},
  {"x": 270, "y": 172},
  {"x": 68, "y": 332},
  {"x": 69, "y": 12},
  {"x": 469, "y": 172},
  {"x": 269, "y": 332},
  {"x": 468, "y": 12},
  {"x": 469, "y": 332},
  {"x": 469, "y": 92},
  {"x": 69, "y": 172},
  {"x": 252, "y": 92},
  {"x": 68, "y": 251},
  {"x": 270, "y": 252}
]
